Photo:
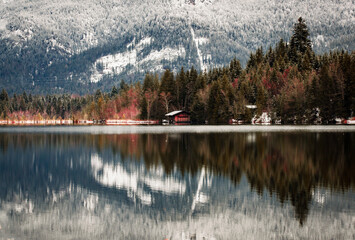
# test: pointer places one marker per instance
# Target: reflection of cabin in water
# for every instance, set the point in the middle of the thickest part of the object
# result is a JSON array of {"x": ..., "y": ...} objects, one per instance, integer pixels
[
  {"x": 251, "y": 109},
  {"x": 178, "y": 117}
]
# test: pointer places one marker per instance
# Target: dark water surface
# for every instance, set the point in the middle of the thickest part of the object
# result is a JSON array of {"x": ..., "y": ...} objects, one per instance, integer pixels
[{"x": 74, "y": 184}]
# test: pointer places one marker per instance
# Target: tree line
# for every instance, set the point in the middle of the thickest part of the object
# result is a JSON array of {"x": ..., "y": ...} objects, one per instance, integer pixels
[{"x": 288, "y": 81}]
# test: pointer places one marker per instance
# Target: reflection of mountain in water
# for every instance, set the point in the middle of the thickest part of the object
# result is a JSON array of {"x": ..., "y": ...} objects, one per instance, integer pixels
[
  {"x": 139, "y": 183},
  {"x": 179, "y": 173}
]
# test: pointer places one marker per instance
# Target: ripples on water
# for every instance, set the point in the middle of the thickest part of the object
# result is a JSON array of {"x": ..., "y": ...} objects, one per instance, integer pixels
[{"x": 176, "y": 185}]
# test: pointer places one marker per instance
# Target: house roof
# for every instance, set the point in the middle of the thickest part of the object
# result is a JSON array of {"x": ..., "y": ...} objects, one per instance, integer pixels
[
  {"x": 251, "y": 106},
  {"x": 173, "y": 113}
]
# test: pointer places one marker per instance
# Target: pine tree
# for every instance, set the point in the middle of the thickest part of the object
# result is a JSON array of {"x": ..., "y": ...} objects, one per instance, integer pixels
[
  {"x": 347, "y": 64},
  {"x": 200, "y": 82},
  {"x": 299, "y": 42},
  {"x": 219, "y": 107},
  {"x": 281, "y": 49},
  {"x": 275, "y": 85},
  {"x": 25, "y": 97},
  {"x": 235, "y": 69},
  {"x": 199, "y": 106},
  {"x": 181, "y": 89},
  {"x": 259, "y": 56},
  {"x": 326, "y": 96},
  {"x": 251, "y": 62},
  {"x": 306, "y": 61},
  {"x": 4, "y": 103},
  {"x": 147, "y": 86},
  {"x": 190, "y": 87},
  {"x": 313, "y": 92},
  {"x": 167, "y": 84},
  {"x": 98, "y": 95},
  {"x": 148, "y": 82},
  {"x": 213, "y": 103},
  {"x": 300, "y": 37},
  {"x": 123, "y": 86},
  {"x": 114, "y": 92},
  {"x": 4, "y": 96},
  {"x": 261, "y": 98},
  {"x": 270, "y": 57},
  {"x": 23, "y": 105},
  {"x": 167, "y": 90},
  {"x": 351, "y": 79}
]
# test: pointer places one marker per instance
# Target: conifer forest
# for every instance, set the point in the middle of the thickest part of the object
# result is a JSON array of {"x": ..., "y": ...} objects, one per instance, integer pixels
[{"x": 289, "y": 81}]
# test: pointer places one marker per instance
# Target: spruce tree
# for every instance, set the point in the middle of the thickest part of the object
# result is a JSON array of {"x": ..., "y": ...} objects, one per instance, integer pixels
[
  {"x": 219, "y": 105},
  {"x": 270, "y": 57},
  {"x": 167, "y": 84},
  {"x": 351, "y": 85},
  {"x": 98, "y": 95},
  {"x": 300, "y": 38},
  {"x": 306, "y": 61},
  {"x": 299, "y": 42},
  {"x": 4, "y": 103},
  {"x": 235, "y": 69},
  {"x": 181, "y": 89},
  {"x": 190, "y": 87},
  {"x": 4, "y": 96},
  {"x": 213, "y": 103},
  {"x": 198, "y": 113},
  {"x": 326, "y": 96},
  {"x": 114, "y": 92},
  {"x": 259, "y": 55},
  {"x": 123, "y": 86},
  {"x": 168, "y": 87},
  {"x": 148, "y": 86},
  {"x": 148, "y": 82}
]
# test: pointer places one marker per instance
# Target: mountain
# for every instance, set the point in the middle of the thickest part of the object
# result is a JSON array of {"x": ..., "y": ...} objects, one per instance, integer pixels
[{"x": 76, "y": 46}]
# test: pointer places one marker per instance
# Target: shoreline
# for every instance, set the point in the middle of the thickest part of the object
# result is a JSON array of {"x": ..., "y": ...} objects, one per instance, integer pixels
[{"x": 160, "y": 129}]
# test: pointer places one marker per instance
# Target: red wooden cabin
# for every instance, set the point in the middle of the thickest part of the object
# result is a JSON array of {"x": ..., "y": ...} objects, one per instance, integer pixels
[{"x": 178, "y": 117}]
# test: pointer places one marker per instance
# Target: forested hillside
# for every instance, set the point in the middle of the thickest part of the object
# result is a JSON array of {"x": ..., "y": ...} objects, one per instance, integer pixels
[
  {"x": 76, "y": 46},
  {"x": 289, "y": 81}
]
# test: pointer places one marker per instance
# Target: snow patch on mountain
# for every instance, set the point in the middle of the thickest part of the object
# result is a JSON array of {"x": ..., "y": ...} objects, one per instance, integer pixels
[
  {"x": 53, "y": 45},
  {"x": 144, "y": 42},
  {"x": 89, "y": 39},
  {"x": 17, "y": 35},
  {"x": 116, "y": 63},
  {"x": 198, "y": 2},
  {"x": 319, "y": 42},
  {"x": 201, "y": 41},
  {"x": 3, "y": 23},
  {"x": 198, "y": 42},
  {"x": 119, "y": 62},
  {"x": 113, "y": 64},
  {"x": 165, "y": 53}
]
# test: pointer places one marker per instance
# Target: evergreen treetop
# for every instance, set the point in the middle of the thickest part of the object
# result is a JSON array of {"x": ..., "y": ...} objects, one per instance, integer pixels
[{"x": 300, "y": 41}]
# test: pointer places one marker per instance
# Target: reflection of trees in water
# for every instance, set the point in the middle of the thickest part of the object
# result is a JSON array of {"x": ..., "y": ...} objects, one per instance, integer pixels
[
  {"x": 290, "y": 165},
  {"x": 37, "y": 165}
]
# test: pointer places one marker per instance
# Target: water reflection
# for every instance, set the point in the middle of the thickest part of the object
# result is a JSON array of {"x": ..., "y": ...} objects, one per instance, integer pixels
[{"x": 176, "y": 176}]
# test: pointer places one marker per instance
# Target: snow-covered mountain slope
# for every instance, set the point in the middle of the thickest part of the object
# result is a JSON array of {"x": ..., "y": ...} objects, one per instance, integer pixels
[
  {"x": 53, "y": 42},
  {"x": 133, "y": 60}
]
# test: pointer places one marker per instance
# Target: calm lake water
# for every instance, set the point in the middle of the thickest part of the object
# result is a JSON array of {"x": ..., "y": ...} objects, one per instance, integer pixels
[{"x": 216, "y": 182}]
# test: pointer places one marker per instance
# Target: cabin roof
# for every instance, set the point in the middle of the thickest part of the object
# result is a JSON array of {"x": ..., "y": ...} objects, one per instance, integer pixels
[{"x": 173, "y": 113}]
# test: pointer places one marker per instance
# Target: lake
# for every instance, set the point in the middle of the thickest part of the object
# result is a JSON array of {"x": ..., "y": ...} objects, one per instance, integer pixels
[{"x": 183, "y": 182}]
